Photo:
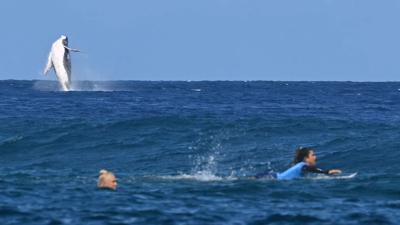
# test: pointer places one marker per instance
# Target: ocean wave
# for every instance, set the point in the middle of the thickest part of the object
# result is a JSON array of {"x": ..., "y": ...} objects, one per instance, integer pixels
[{"x": 187, "y": 156}]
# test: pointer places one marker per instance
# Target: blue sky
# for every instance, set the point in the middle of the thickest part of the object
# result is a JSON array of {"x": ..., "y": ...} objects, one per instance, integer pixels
[{"x": 205, "y": 40}]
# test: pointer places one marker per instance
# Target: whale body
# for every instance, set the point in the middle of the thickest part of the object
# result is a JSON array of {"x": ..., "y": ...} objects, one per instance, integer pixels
[{"x": 60, "y": 59}]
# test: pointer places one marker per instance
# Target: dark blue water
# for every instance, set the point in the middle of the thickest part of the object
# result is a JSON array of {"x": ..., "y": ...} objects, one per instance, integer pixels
[{"x": 182, "y": 152}]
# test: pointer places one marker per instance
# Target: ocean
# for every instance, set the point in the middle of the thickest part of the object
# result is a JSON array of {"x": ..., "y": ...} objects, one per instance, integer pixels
[{"x": 185, "y": 152}]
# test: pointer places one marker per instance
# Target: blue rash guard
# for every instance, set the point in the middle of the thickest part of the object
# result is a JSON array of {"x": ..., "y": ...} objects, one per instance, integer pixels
[{"x": 293, "y": 172}]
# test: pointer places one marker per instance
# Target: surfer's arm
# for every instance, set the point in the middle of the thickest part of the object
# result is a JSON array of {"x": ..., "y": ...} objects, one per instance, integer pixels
[
  {"x": 314, "y": 169},
  {"x": 335, "y": 171}
]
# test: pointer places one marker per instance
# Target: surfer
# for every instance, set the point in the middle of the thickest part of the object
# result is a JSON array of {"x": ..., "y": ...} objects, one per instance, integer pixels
[
  {"x": 107, "y": 180},
  {"x": 304, "y": 162}
]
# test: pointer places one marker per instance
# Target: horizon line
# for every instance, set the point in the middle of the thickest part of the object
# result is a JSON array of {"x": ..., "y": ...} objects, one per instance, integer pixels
[{"x": 140, "y": 80}]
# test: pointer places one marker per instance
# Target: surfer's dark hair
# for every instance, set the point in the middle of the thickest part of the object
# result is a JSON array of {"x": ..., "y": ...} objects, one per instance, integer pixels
[{"x": 301, "y": 153}]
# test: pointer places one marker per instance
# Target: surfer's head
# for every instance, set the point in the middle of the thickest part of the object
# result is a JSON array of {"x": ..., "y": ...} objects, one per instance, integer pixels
[
  {"x": 305, "y": 154},
  {"x": 107, "y": 180}
]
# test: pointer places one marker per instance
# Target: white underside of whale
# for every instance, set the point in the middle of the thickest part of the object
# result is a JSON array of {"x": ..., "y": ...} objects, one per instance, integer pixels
[{"x": 59, "y": 59}]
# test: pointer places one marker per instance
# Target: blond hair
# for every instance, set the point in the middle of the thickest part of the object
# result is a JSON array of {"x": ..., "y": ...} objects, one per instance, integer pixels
[{"x": 102, "y": 175}]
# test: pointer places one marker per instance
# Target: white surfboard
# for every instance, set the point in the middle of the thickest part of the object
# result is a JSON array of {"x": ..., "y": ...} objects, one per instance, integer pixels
[
  {"x": 347, "y": 176},
  {"x": 332, "y": 177}
]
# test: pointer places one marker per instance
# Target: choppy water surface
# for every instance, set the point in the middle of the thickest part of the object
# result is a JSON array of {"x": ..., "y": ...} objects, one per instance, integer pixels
[{"x": 183, "y": 152}]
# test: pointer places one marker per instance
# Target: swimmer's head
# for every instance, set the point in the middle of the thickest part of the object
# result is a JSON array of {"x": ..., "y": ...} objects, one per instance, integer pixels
[
  {"x": 305, "y": 154},
  {"x": 107, "y": 180}
]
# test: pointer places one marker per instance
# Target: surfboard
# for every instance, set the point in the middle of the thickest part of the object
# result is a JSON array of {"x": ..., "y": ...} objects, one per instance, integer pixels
[
  {"x": 352, "y": 175},
  {"x": 332, "y": 177}
]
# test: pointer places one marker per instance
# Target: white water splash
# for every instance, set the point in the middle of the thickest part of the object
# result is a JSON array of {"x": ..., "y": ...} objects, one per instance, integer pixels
[
  {"x": 201, "y": 176},
  {"x": 84, "y": 86},
  {"x": 92, "y": 86}
]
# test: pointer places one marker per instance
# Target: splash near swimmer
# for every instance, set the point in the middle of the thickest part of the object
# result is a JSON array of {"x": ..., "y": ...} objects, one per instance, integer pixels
[{"x": 60, "y": 59}]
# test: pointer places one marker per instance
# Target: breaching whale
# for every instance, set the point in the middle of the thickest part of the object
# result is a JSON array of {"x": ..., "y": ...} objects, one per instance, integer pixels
[{"x": 60, "y": 60}]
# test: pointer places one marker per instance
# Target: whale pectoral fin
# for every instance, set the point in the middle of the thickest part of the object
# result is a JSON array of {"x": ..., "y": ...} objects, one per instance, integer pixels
[
  {"x": 72, "y": 49},
  {"x": 49, "y": 65}
]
